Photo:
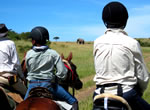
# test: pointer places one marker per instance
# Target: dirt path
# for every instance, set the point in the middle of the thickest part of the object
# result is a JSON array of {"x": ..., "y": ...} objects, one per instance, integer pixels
[{"x": 84, "y": 93}]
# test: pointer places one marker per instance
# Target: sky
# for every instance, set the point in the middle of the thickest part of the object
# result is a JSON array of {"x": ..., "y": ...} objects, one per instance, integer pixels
[{"x": 72, "y": 19}]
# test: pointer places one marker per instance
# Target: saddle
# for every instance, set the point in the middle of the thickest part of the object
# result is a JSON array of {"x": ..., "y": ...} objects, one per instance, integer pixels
[
  {"x": 108, "y": 101},
  {"x": 40, "y": 92}
]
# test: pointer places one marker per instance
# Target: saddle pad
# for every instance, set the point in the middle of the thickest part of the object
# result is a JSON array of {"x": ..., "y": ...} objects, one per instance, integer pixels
[{"x": 16, "y": 97}]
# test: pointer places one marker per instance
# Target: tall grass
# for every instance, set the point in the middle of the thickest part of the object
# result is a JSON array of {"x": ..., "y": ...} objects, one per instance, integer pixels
[
  {"x": 22, "y": 47},
  {"x": 86, "y": 104},
  {"x": 146, "y": 96},
  {"x": 82, "y": 56},
  {"x": 83, "y": 59}
]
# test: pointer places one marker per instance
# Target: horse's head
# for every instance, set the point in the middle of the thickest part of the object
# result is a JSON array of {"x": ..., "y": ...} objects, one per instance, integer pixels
[{"x": 72, "y": 78}]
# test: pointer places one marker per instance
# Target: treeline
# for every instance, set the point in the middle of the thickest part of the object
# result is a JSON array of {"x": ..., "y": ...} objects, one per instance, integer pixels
[
  {"x": 144, "y": 42},
  {"x": 16, "y": 36}
]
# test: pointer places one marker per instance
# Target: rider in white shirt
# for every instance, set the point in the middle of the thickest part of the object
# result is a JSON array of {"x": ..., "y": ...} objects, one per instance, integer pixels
[
  {"x": 10, "y": 68},
  {"x": 118, "y": 59}
]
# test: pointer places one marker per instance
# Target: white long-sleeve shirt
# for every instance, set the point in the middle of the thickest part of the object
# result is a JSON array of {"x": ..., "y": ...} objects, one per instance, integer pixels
[
  {"x": 9, "y": 60},
  {"x": 118, "y": 59}
]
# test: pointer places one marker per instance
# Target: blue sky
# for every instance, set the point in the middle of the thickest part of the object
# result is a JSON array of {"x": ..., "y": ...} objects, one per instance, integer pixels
[{"x": 72, "y": 19}]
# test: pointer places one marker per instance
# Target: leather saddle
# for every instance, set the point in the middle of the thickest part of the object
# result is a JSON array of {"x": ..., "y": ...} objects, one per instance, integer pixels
[
  {"x": 40, "y": 92},
  {"x": 107, "y": 101}
]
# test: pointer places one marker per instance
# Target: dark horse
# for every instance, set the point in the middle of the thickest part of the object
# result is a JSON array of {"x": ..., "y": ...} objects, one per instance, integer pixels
[
  {"x": 72, "y": 80},
  {"x": 9, "y": 98},
  {"x": 4, "y": 101},
  {"x": 80, "y": 41},
  {"x": 38, "y": 96}
]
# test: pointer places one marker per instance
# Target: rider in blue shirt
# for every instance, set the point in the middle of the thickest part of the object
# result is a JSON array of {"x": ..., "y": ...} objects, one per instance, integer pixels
[{"x": 44, "y": 66}]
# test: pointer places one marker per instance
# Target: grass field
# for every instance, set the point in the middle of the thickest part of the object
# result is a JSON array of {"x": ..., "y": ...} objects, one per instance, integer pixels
[{"x": 83, "y": 58}]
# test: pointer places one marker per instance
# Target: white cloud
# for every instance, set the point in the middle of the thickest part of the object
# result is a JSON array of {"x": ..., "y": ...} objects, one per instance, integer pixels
[
  {"x": 139, "y": 22},
  {"x": 140, "y": 10},
  {"x": 94, "y": 30}
]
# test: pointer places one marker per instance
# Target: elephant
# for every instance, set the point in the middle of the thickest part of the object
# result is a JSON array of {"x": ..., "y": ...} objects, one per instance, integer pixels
[{"x": 80, "y": 41}]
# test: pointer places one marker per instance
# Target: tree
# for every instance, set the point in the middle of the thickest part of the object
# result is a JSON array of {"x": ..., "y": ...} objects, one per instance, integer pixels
[
  {"x": 13, "y": 35},
  {"x": 16, "y": 36},
  {"x": 56, "y": 38}
]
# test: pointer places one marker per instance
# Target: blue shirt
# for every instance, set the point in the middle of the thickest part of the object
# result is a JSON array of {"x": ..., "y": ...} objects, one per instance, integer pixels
[{"x": 44, "y": 63}]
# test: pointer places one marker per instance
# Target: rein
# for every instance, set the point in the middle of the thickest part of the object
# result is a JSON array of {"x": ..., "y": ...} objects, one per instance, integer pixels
[
  {"x": 68, "y": 66},
  {"x": 67, "y": 63}
]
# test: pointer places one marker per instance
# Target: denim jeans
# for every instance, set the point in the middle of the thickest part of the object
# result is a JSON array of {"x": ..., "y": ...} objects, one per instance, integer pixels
[
  {"x": 59, "y": 92},
  {"x": 134, "y": 99}
]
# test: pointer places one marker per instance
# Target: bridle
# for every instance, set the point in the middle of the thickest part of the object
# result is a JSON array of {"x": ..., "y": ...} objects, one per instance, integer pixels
[{"x": 68, "y": 66}]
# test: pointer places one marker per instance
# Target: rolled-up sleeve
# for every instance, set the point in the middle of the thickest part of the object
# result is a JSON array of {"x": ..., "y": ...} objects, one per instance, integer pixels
[{"x": 141, "y": 71}]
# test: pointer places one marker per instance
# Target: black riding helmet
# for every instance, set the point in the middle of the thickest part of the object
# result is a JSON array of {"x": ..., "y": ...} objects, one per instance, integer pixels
[
  {"x": 39, "y": 34},
  {"x": 115, "y": 15}
]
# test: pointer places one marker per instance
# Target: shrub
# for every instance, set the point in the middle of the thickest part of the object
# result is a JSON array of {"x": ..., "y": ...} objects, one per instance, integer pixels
[{"x": 144, "y": 42}]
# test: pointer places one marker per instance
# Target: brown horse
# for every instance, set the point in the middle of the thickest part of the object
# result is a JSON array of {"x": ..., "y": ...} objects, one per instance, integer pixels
[
  {"x": 40, "y": 102},
  {"x": 39, "y": 99},
  {"x": 37, "y": 103}
]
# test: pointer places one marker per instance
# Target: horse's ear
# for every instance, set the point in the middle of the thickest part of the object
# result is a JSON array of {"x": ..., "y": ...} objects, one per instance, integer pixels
[
  {"x": 62, "y": 56},
  {"x": 69, "y": 57},
  {"x": 25, "y": 54}
]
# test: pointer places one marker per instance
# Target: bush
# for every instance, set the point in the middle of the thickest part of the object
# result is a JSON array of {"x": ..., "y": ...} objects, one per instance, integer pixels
[
  {"x": 15, "y": 36},
  {"x": 144, "y": 42}
]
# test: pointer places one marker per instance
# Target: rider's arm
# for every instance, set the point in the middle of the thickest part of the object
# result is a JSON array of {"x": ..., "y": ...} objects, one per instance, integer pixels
[
  {"x": 61, "y": 70},
  {"x": 141, "y": 71},
  {"x": 16, "y": 62}
]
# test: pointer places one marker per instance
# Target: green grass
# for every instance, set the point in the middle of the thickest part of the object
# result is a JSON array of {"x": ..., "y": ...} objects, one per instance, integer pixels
[
  {"x": 22, "y": 46},
  {"x": 82, "y": 56},
  {"x": 88, "y": 84},
  {"x": 86, "y": 104},
  {"x": 83, "y": 59}
]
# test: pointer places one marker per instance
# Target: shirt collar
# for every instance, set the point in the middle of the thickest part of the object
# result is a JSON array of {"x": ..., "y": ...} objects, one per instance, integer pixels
[
  {"x": 40, "y": 48},
  {"x": 116, "y": 31},
  {"x": 4, "y": 38}
]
